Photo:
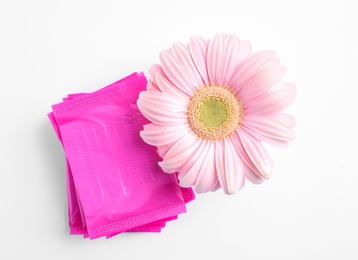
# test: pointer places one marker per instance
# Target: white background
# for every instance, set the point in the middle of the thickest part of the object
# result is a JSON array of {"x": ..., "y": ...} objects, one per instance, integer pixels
[{"x": 308, "y": 210}]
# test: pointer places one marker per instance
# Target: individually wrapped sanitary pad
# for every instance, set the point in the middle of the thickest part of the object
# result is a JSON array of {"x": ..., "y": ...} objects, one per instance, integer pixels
[{"x": 114, "y": 183}]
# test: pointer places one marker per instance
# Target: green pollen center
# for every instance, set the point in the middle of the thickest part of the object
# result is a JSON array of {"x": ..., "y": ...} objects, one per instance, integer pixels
[{"x": 213, "y": 112}]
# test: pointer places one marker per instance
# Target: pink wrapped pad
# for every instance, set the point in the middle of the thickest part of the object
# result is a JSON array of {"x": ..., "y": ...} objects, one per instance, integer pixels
[
  {"x": 75, "y": 216},
  {"x": 119, "y": 184}
]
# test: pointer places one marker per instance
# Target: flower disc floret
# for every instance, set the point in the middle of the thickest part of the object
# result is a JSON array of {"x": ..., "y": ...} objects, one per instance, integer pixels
[{"x": 214, "y": 113}]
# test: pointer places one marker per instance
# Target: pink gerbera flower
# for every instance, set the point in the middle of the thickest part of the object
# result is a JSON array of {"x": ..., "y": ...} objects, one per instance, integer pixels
[{"x": 211, "y": 104}]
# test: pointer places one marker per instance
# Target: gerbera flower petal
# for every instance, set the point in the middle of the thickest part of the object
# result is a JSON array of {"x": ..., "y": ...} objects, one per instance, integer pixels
[
  {"x": 198, "y": 48},
  {"x": 262, "y": 81},
  {"x": 163, "y": 149},
  {"x": 251, "y": 176},
  {"x": 163, "y": 135},
  {"x": 216, "y": 58},
  {"x": 269, "y": 127},
  {"x": 167, "y": 87},
  {"x": 180, "y": 153},
  {"x": 176, "y": 72},
  {"x": 216, "y": 186},
  {"x": 153, "y": 70},
  {"x": 244, "y": 51},
  {"x": 286, "y": 119},
  {"x": 181, "y": 145},
  {"x": 223, "y": 54},
  {"x": 152, "y": 86},
  {"x": 253, "y": 154},
  {"x": 189, "y": 173},
  {"x": 182, "y": 53},
  {"x": 272, "y": 103},
  {"x": 269, "y": 140},
  {"x": 229, "y": 167},
  {"x": 163, "y": 100},
  {"x": 160, "y": 115},
  {"x": 231, "y": 58},
  {"x": 250, "y": 66},
  {"x": 207, "y": 179}
]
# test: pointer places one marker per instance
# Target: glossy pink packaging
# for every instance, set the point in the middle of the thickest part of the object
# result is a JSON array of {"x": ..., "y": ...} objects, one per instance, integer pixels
[
  {"x": 75, "y": 216},
  {"x": 113, "y": 180}
]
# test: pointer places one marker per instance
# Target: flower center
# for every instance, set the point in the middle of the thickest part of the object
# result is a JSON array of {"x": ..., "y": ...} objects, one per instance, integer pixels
[{"x": 214, "y": 113}]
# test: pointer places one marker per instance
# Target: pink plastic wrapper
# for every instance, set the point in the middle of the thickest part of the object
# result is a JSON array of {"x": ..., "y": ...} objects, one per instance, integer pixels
[
  {"x": 114, "y": 183},
  {"x": 75, "y": 216}
]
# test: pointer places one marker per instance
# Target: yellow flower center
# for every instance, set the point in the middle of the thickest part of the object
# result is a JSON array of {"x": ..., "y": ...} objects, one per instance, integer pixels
[{"x": 214, "y": 113}]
